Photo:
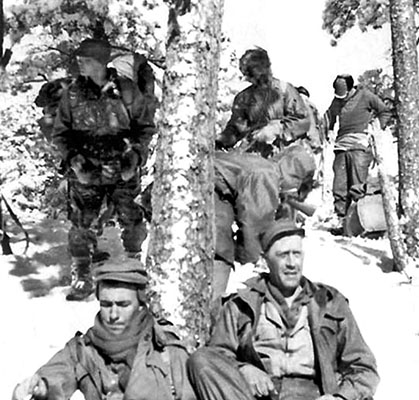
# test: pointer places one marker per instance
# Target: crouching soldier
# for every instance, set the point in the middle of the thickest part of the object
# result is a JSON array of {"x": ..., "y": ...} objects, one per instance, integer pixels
[
  {"x": 102, "y": 131},
  {"x": 125, "y": 355},
  {"x": 251, "y": 192},
  {"x": 284, "y": 337}
]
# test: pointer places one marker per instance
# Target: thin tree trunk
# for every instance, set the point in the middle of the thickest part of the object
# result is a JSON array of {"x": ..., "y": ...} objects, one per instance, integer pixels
[
  {"x": 388, "y": 193},
  {"x": 181, "y": 247},
  {"x": 406, "y": 83}
]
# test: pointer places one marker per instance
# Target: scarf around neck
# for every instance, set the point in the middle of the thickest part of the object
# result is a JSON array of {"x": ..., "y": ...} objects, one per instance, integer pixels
[
  {"x": 288, "y": 314},
  {"x": 121, "y": 347}
]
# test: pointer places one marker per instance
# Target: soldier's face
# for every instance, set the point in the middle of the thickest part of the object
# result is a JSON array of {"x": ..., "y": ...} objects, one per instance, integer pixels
[
  {"x": 285, "y": 261},
  {"x": 118, "y": 306},
  {"x": 89, "y": 66}
]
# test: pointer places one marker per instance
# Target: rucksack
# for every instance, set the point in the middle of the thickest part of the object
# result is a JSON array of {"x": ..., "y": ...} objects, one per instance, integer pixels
[
  {"x": 315, "y": 132},
  {"x": 128, "y": 64}
]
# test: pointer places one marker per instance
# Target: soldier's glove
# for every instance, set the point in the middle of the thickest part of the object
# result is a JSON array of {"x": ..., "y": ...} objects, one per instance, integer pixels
[
  {"x": 31, "y": 388},
  {"x": 129, "y": 164},
  {"x": 269, "y": 132},
  {"x": 77, "y": 164}
]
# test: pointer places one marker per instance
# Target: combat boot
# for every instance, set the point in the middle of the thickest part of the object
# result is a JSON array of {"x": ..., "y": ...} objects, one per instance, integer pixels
[{"x": 81, "y": 279}]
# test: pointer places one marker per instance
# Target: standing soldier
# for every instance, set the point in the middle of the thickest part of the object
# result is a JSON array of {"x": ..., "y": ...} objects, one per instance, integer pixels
[
  {"x": 102, "y": 131},
  {"x": 355, "y": 107},
  {"x": 266, "y": 116}
]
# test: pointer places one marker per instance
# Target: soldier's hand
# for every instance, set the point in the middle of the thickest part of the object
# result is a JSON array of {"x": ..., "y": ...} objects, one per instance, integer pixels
[
  {"x": 31, "y": 388},
  {"x": 129, "y": 165},
  {"x": 77, "y": 165},
  {"x": 259, "y": 381},
  {"x": 270, "y": 132}
]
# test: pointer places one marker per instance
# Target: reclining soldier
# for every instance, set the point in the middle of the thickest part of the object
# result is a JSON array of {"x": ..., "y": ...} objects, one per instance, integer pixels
[{"x": 125, "y": 355}]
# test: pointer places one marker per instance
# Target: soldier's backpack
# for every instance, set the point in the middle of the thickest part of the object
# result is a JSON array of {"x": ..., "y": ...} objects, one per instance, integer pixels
[
  {"x": 128, "y": 64},
  {"x": 315, "y": 133}
]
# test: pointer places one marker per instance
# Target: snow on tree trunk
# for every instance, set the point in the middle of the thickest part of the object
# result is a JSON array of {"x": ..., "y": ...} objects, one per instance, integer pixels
[
  {"x": 406, "y": 83},
  {"x": 181, "y": 248},
  {"x": 388, "y": 193}
]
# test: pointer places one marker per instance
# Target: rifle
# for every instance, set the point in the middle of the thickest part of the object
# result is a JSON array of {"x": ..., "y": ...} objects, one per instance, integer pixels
[{"x": 5, "y": 239}]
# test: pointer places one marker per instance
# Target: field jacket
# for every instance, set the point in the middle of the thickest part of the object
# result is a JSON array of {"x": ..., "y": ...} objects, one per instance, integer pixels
[
  {"x": 102, "y": 123},
  {"x": 345, "y": 365},
  {"x": 159, "y": 374},
  {"x": 252, "y": 110}
]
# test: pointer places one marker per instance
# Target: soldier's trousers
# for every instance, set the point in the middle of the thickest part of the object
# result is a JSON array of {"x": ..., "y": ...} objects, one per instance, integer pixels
[
  {"x": 214, "y": 376},
  {"x": 85, "y": 203},
  {"x": 350, "y": 178}
]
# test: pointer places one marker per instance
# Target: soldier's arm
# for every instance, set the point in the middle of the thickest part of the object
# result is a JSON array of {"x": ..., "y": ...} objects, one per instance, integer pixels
[
  {"x": 296, "y": 119},
  {"x": 225, "y": 336},
  {"x": 61, "y": 133},
  {"x": 141, "y": 108},
  {"x": 356, "y": 362},
  {"x": 237, "y": 126},
  {"x": 382, "y": 112},
  {"x": 57, "y": 379}
]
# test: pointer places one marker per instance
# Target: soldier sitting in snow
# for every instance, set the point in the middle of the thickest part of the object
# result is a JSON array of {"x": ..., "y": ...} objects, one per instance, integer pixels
[
  {"x": 125, "y": 355},
  {"x": 284, "y": 337}
]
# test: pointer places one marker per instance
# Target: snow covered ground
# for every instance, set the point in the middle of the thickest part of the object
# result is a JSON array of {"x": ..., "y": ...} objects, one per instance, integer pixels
[{"x": 37, "y": 320}]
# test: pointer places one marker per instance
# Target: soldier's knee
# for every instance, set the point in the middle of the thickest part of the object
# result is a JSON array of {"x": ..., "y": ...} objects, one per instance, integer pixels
[{"x": 199, "y": 360}]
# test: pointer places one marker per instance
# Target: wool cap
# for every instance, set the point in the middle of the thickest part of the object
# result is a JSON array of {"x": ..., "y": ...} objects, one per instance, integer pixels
[
  {"x": 125, "y": 270},
  {"x": 98, "y": 49},
  {"x": 277, "y": 230}
]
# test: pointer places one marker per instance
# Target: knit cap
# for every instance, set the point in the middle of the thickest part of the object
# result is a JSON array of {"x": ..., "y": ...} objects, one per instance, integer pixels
[
  {"x": 98, "y": 49},
  {"x": 277, "y": 230}
]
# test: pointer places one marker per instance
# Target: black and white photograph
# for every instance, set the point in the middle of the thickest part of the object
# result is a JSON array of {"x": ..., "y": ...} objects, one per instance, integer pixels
[{"x": 209, "y": 199}]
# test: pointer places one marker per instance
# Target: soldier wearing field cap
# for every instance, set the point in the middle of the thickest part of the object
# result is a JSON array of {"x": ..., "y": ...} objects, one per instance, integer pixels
[
  {"x": 284, "y": 337},
  {"x": 102, "y": 131},
  {"x": 126, "y": 354}
]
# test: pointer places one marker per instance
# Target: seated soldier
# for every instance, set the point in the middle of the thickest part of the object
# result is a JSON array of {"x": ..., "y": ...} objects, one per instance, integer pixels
[
  {"x": 126, "y": 354},
  {"x": 284, "y": 337}
]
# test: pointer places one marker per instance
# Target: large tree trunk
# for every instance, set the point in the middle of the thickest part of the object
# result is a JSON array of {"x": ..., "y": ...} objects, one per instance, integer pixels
[
  {"x": 181, "y": 247},
  {"x": 407, "y": 106}
]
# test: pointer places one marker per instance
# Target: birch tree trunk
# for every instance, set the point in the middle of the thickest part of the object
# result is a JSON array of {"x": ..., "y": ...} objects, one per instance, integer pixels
[
  {"x": 406, "y": 83},
  {"x": 181, "y": 247}
]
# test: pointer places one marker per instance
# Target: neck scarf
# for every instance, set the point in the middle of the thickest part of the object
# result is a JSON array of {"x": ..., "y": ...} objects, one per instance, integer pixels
[
  {"x": 290, "y": 314},
  {"x": 120, "y": 349},
  {"x": 117, "y": 347}
]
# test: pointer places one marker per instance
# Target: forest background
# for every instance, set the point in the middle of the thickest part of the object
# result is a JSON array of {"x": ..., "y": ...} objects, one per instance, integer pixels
[{"x": 39, "y": 321}]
